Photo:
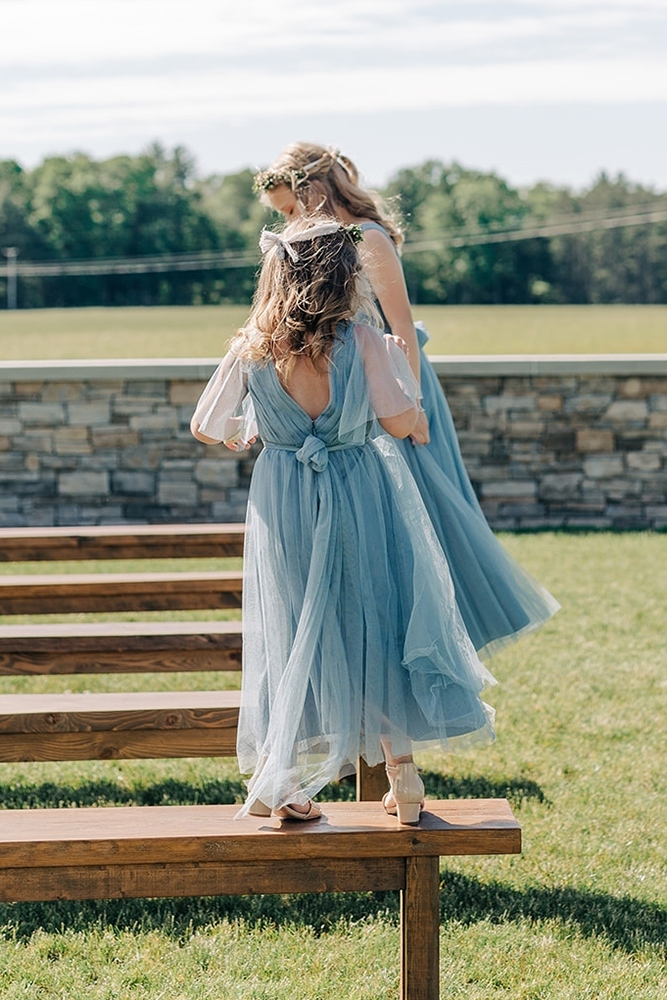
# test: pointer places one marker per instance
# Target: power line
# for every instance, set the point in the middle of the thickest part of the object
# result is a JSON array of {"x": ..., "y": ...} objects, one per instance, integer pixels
[
  {"x": 196, "y": 261},
  {"x": 206, "y": 260},
  {"x": 581, "y": 225}
]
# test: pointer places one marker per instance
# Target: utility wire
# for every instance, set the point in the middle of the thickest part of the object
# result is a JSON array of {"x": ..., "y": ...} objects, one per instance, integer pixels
[
  {"x": 197, "y": 261},
  {"x": 207, "y": 260},
  {"x": 535, "y": 232}
]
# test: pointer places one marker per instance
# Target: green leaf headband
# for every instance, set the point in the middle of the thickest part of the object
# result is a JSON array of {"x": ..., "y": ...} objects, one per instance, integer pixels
[{"x": 269, "y": 180}]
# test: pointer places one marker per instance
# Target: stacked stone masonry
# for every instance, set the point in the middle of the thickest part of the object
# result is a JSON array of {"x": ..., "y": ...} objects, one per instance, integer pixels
[{"x": 548, "y": 442}]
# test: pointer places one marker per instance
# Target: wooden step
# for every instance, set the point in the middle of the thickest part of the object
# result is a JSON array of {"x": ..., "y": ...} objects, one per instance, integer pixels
[
  {"x": 193, "y": 850},
  {"x": 119, "y": 647},
  {"x": 118, "y": 725},
  {"x": 141, "y": 541},
  {"x": 91, "y": 592}
]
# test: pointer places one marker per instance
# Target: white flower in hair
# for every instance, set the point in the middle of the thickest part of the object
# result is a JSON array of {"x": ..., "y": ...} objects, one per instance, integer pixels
[{"x": 270, "y": 240}]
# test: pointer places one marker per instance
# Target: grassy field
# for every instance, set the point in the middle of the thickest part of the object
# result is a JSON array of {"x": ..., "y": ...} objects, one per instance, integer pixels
[
  {"x": 581, "y": 915},
  {"x": 202, "y": 331}
]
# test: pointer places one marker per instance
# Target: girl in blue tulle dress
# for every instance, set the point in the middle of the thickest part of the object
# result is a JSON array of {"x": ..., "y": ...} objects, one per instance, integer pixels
[
  {"x": 498, "y": 599},
  {"x": 353, "y": 644}
]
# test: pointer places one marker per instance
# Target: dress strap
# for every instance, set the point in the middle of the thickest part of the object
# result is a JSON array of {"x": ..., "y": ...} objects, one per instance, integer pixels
[{"x": 376, "y": 225}]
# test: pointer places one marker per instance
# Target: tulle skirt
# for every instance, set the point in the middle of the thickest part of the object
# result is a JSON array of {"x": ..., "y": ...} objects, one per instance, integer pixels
[
  {"x": 352, "y": 635},
  {"x": 499, "y": 601}
]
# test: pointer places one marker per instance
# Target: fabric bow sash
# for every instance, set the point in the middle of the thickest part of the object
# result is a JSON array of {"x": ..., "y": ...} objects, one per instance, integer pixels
[{"x": 314, "y": 452}]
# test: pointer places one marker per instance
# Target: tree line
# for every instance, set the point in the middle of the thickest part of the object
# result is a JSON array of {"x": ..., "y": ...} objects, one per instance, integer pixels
[{"x": 468, "y": 233}]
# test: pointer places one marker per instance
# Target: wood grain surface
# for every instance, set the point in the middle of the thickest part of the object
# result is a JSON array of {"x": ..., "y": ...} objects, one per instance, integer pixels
[
  {"x": 90, "y": 592},
  {"x": 420, "y": 924},
  {"x": 119, "y": 647},
  {"x": 142, "y": 541},
  {"x": 125, "y": 744},
  {"x": 110, "y": 725},
  {"x": 179, "y": 834},
  {"x": 202, "y": 879}
]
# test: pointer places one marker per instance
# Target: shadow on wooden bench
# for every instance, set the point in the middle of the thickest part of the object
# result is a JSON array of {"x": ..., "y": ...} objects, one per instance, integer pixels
[{"x": 202, "y": 850}]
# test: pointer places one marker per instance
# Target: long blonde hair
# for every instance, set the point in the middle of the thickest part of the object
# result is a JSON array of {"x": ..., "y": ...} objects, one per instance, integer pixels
[
  {"x": 298, "y": 303},
  {"x": 323, "y": 180}
]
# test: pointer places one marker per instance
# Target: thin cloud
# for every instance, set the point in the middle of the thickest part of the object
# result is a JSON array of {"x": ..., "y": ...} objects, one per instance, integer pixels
[
  {"x": 225, "y": 95},
  {"x": 69, "y": 33},
  {"x": 116, "y": 74}
]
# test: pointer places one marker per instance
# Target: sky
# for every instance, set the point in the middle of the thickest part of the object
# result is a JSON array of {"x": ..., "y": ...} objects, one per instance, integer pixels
[{"x": 553, "y": 90}]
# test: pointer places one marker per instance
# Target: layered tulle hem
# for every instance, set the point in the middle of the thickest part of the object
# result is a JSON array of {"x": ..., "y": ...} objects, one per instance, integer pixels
[{"x": 276, "y": 786}]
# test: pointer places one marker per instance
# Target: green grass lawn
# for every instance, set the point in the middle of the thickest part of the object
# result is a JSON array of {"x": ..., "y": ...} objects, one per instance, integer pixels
[
  {"x": 203, "y": 331},
  {"x": 580, "y": 915}
]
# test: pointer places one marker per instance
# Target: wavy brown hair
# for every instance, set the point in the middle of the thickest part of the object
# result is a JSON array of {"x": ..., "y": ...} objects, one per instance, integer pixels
[
  {"x": 298, "y": 304},
  {"x": 324, "y": 180}
]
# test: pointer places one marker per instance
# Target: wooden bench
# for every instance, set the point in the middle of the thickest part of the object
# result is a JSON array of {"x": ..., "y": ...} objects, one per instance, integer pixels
[
  {"x": 106, "y": 726},
  {"x": 191, "y": 850},
  {"x": 141, "y": 541},
  {"x": 202, "y": 850},
  {"x": 101, "y": 726},
  {"x": 91, "y": 592},
  {"x": 119, "y": 647}
]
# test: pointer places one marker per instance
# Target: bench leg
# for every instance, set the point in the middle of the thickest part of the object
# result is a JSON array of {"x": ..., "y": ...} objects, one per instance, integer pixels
[
  {"x": 420, "y": 930},
  {"x": 372, "y": 782}
]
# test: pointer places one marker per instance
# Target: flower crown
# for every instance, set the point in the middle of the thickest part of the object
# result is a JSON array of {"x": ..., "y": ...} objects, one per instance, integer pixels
[{"x": 269, "y": 180}]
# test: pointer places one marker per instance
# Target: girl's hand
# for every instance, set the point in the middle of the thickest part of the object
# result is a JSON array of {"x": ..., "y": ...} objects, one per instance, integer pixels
[
  {"x": 235, "y": 445},
  {"x": 420, "y": 434},
  {"x": 399, "y": 343}
]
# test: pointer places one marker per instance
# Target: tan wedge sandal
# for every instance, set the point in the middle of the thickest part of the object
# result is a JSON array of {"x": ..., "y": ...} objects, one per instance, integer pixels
[
  {"x": 287, "y": 812},
  {"x": 405, "y": 798}
]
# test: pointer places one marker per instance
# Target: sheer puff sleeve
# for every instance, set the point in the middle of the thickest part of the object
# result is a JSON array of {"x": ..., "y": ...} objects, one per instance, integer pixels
[
  {"x": 392, "y": 386},
  {"x": 225, "y": 411}
]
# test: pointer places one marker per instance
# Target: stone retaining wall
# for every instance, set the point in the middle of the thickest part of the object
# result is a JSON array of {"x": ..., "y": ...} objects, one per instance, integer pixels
[
  {"x": 548, "y": 441},
  {"x": 564, "y": 442}
]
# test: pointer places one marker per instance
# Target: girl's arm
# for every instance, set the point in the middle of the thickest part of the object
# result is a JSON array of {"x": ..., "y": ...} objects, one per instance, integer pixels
[
  {"x": 222, "y": 413},
  {"x": 400, "y": 426},
  {"x": 383, "y": 269},
  {"x": 392, "y": 388},
  {"x": 194, "y": 427}
]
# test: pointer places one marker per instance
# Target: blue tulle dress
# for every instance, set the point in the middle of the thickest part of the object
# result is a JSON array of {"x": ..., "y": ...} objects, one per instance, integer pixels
[
  {"x": 351, "y": 632},
  {"x": 498, "y": 599}
]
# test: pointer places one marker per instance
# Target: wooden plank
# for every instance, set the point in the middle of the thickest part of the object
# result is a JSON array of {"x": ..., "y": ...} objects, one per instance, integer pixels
[
  {"x": 420, "y": 930},
  {"x": 89, "y": 592},
  {"x": 372, "y": 782},
  {"x": 119, "y": 647},
  {"x": 180, "y": 834},
  {"x": 205, "y": 879},
  {"x": 115, "y": 711},
  {"x": 145, "y": 541},
  {"x": 50, "y": 713},
  {"x": 119, "y": 745}
]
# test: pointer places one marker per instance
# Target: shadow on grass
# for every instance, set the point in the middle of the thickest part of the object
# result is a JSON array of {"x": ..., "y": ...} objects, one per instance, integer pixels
[
  {"x": 169, "y": 792},
  {"x": 517, "y": 790},
  {"x": 172, "y": 792},
  {"x": 624, "y": 923}
]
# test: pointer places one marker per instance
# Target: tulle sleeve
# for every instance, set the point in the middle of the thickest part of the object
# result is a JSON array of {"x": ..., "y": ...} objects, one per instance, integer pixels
[
  {"x": 225, "y": 411},
  {"x": 392, "y": 386}
]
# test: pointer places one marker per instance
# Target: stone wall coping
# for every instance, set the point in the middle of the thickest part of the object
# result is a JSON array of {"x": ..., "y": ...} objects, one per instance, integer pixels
[{"x": 188, "y": 369}]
